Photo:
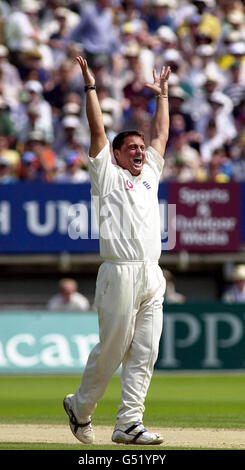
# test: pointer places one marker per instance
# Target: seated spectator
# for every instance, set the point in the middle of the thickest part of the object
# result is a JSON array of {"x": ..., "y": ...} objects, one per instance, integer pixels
[
  {"x": 22, "y": 30},
  {"x": 237, "y": 151},
  {"x": 236, "y": 292},
  {"x": 10, "y": 154},
  {"x": 219, "y": 109},
  {"x": 137, "y": 114},
  {"x": 187, "y": 32},
  {"x": 37, "y": 144},
  {"x": 54, "y": 17},
  {"x": 159, "y": 15},
  {"x": 11, "y": 83},
  {"x": 220, "y": 168},
  {"x": 167, "y": 37},
  {"x": 7, "y": 125},
  {"x": 41, "y": 87},
  {"x": 6, "y": 175},
  {"x": 34, "y": 113},
  {"x": 61, "y": 83},
  {"x": 129, "y": 16},
  {"x": 72, "y": 135},
  {"x": 171, "y": 296},
  {"x": 183, "y": 162},
  {"x": 57, "y": 32},
  {"x": 110, "y": 106},
  {"x": 210, "y": 24},
  {"x": 30, "y": 66},
  {"x": 177, "y": 100},
  {"x": 212, "y": 140},
  {"x": 95, "y": 20},
  {"x": 236, "y": 87},
  {"x": 73, "y": 172},
  {"x": 68, "y": 298},
  {"x": 30, "y": 169}
]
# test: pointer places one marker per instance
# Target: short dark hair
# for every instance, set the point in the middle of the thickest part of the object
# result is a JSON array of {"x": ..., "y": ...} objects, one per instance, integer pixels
[{"x": 119, "y": 139}]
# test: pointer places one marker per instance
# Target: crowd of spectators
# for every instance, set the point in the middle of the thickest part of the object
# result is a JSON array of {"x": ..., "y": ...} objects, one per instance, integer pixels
[{"x": 43, "y": 128}]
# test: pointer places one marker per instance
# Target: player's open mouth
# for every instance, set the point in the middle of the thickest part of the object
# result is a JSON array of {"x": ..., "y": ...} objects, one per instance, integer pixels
[{"x": 137, "y": 161}]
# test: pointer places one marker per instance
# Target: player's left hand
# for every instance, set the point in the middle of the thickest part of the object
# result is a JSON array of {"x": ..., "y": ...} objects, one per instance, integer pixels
[{"x": 160, "y": 85}]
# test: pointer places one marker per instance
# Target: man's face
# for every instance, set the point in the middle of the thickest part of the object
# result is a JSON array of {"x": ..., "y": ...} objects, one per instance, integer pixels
[
  {"x": 131, "y": 155},
  {"x": 67, "y": 290}
]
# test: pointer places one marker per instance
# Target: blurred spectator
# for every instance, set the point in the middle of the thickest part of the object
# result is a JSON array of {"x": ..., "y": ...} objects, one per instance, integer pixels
[
  {"x": 71, "y": 136},
  {"x": 96, "y": 19},
  {"x": 22, "y": 30},
  {"x": 210, "y": 25},
  {"x": 135, "y": 89},
  {"x": 210, "y": 102},
  {"x": 34, "y": 113},
  {"x": 61, "y": 84},
  {"x": 177, "y": 101},
  {"x": 10, "y": 80},
  {"x": 235, "y": 20},
  {"x": 212, "y": 140},
  {"x": 188, "y": 32},
  {"x": 73, "y": 172},
  {"x": 10, "y": 154},
  {"x": 171, "y": 296},
  {"x": 7, "y": 125},
  {"x": 30, "y": 66},
  {"x": 68, "y": 298},
  {"x": 37, "y": 144},
  {"x": 237, "y": 151},
  {"x": 55, "y": 13},
  {"x": 236, "y": 88},
  {"x": 220, "y": 169},
  {"x": 236, "y": 292},
  {"x": 58, "y": 25},
  {"x": 221, "y": 109},
  {"x": 183, "y": 162},
  {"x": 41, "y": 88},
  {"x": 110, "y": 106},
  {"x": 129, "y": 17},
  {"x": 6, "y": 175},
  {"x": 159, "y": 15},
  {"x": 204, "y": 64},
  {"x": 31, "y": 169}
]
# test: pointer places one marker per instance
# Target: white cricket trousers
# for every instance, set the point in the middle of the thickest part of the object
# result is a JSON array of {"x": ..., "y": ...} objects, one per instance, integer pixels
[{"x": 128, "y": 298}]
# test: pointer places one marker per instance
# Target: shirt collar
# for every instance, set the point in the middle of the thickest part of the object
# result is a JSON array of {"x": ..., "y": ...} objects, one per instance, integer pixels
[{"x": 132, "y": 177}]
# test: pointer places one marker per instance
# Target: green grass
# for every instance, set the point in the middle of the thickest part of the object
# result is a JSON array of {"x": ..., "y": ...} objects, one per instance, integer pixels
[
  {"x": 81, "y": 447},
  {"x": 173, "y": 400}
]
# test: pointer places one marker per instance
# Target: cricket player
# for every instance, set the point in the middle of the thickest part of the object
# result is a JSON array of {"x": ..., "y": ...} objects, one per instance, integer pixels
[{"x": 130, "y": 285}]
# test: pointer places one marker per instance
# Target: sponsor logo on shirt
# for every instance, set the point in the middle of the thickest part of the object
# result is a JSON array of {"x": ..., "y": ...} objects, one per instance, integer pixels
[
  {"x": 147, "y": 185},
  {"x": 129, "y": 185}
]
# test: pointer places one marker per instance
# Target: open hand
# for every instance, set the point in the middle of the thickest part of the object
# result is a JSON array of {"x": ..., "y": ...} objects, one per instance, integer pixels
[
  {"x": 87, "y": 74},
  {"x": 160, "y": 85}
]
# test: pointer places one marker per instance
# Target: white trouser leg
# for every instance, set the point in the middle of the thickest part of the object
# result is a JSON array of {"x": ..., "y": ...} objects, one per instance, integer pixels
[
  {"x": 115, "y": 304},
  {"x": 139, "y": 362}
]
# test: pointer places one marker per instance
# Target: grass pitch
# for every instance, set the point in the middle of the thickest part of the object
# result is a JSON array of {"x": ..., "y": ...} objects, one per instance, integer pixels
[
  {"x": 216, "y": 401},
  {"x": 180, "y": 400}
]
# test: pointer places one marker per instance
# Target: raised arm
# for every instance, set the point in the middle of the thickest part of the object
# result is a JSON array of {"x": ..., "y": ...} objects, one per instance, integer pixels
[
  {"x": 98, "y": 138},
  {"x": 160, "y": 123}
]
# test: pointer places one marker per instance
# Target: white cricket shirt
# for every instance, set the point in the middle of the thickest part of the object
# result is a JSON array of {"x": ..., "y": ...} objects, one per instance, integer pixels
[{"x": 127, "y": 207}]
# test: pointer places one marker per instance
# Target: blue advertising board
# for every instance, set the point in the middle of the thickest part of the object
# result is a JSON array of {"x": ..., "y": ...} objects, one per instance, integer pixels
[
  {"x": 35, "y": 218},
  {"x": 49, "y": 218}
]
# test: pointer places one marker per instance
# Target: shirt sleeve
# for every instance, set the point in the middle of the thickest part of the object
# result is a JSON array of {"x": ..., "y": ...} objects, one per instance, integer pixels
[
  {"x": 155, "y": 161},
  {"x": 103, "y": 174}
]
